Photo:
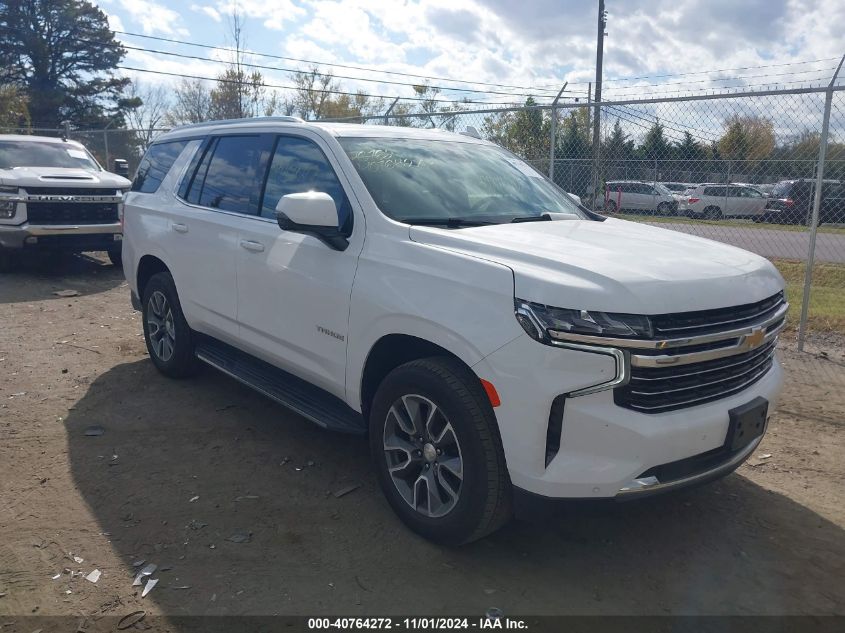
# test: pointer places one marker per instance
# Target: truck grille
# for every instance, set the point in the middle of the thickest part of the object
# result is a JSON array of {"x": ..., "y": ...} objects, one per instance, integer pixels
[
  {"x": 665, "y": 379},
  {"x": 70, "y": 191},
  {"x": 710, "y": 321},
  {"x": 654, "y": 390},
  {"x": 71, "y": 212}
]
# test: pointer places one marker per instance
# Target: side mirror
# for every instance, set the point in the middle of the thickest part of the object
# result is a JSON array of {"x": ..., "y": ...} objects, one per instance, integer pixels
[
  {"x": 311, "y": 213},
  {"x": 121, "y": 167}
]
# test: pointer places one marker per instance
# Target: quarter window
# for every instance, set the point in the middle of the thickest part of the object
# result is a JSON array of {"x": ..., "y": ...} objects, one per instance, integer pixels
[
  {"x": 154, "y": 166},
  {"x": 297, "y": 166},
  {"x": 227, "y": 177}
]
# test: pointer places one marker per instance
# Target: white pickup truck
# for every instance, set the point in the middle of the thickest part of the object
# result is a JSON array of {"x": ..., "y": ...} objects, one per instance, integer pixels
[
  {"x": 495, "y": 341},
  {"x": 54, "y": 195}
]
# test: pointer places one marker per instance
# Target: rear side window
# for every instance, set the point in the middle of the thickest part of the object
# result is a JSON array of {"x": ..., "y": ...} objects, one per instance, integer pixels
[
  {"x": 781, "y": 190},
  {"x": 154, "y": 166},
  {"x": 714, "y": 191},
  {"x": 227, "y": 177},
  {"x": 298, "y": 165}
]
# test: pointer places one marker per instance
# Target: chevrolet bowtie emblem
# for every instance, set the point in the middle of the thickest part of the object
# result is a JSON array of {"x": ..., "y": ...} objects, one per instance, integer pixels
[{"x": 755, "y": 339}]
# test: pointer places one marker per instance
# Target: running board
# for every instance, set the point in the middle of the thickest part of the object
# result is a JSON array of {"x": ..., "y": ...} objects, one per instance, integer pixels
[{"x": 310, "y": 402}]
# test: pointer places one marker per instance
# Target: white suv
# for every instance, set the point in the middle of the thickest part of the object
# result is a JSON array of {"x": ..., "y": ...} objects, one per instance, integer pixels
[
  {"x": 497, "y": 342},
  {"x": 714, "y": 201}
]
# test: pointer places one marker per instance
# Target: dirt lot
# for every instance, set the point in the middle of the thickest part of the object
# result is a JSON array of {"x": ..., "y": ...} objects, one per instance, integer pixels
[{"x": 184, "y": 468}]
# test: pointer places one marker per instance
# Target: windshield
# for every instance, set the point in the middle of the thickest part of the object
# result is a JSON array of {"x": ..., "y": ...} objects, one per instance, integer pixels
[
  {"x": 662, "y": 189},
  {"x": 414, "y": 180},
  {"x": 44, "y": 154}
]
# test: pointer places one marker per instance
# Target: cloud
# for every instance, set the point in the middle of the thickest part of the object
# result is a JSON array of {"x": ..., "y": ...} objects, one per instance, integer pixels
[
  {"x": 209, "y": 11},
  {"x": 153, "y": 17}
]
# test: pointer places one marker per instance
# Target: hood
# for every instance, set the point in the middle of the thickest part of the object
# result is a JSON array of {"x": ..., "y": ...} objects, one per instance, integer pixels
[
  {"x": 615, "y": 265},
  {"x": 60, "y": 177}
]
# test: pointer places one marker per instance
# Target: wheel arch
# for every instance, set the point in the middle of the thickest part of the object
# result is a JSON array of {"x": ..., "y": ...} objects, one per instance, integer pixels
[
  {"x": 391, "y": 351},
  {"x": 148, "y": 266}
]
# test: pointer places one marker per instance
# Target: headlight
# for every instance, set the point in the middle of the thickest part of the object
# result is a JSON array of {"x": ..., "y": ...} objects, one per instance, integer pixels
[
  {"x": 7, "y": 208},
  {"x": 538, "y": 319}
]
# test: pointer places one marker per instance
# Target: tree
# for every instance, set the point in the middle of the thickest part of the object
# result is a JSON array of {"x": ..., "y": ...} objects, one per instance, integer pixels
[
  {"x": 689, "y": 150},
  {"x": 316, "y": 96},
  {"x": 524, "y": 132},
  {"x": 617, "y": 146},
  {"x": 312, "y": 92},
  {"x": 191, "y": 103},
  {"x": 237, "y": 95},
  {"x": 62, "y": 55},
  {"x": 747, "y": 138},
  {"x": 151, "y": 113},
  {"x": 14, "y": 110},
  {"x": 655, "y": 146}
]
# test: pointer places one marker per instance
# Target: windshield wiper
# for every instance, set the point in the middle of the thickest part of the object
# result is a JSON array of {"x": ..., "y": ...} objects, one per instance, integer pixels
[
  {"x": 448, "y": 222},
  {"x": 532, "y": 218}
]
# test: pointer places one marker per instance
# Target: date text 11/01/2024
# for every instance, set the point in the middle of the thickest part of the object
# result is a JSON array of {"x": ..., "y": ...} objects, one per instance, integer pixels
[{"x": 490, "y": 621}]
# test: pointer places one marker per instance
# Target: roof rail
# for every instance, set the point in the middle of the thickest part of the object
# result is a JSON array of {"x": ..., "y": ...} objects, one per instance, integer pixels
[{"x": 257, "y": 119}]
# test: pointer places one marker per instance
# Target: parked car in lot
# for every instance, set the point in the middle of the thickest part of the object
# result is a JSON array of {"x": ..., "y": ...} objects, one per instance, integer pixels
[
  {"x": 791, "y": 202},
  {"x": 764, "y": 188},
  {"x": 712, "y": 201},
  {"x": 54, "y": 195},
  {"x": 678, "y": 187},
  {"x": 630, "y": 195},
  {"x": 494, "y": 340}
]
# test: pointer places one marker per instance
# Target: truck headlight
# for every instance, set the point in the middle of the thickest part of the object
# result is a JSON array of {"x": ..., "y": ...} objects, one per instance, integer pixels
[
  {"x": 7, "y": 208},
  {"x": 538, "y": 319}
]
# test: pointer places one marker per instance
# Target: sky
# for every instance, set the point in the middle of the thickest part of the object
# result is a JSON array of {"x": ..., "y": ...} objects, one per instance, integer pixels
[{"x": 530, "y": 46}]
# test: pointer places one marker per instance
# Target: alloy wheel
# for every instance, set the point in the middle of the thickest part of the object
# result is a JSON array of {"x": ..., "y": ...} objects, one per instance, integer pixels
[
  {"x": 160, "y": 325},
  {"x": 423, "y": 455}
]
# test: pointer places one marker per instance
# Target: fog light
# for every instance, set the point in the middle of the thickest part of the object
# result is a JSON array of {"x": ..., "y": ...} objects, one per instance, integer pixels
[{"x": 31, "y": 240}]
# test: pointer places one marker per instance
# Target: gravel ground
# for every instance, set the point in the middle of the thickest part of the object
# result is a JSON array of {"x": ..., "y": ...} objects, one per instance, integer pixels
[{"x": 233, "y": 498}]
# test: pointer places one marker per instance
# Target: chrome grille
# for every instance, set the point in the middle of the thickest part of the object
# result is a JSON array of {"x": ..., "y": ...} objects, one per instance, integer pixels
[
  {"x": 711, "y": 321},
  {"x": 658, "y": 389},
  {"x": 703, "y": 356}
]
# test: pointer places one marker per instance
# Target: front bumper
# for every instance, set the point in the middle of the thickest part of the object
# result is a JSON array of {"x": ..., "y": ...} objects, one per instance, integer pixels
[
  {"x": 603, "y": 448},
  {"x": 72, "y": 237}
]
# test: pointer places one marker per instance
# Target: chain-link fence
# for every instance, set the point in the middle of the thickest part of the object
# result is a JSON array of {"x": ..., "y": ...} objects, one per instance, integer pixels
[{"x": 741, "y": 168}]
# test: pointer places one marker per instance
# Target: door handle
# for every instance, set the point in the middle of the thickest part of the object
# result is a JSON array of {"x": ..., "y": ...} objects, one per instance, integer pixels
[
  {"x": 179, "y": 228},
  {"x": 254, "y": 247}
]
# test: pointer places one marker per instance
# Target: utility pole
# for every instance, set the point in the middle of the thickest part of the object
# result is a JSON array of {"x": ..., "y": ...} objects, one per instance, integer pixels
[
  {"x": 553, "y": 137},
  {"x": 589, "y": 108},
  {"x": 602, "y": 23}
]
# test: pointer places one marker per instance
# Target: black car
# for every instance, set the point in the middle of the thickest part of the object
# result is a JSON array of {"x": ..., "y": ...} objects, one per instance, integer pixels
[{"x": 791, "y": 202}]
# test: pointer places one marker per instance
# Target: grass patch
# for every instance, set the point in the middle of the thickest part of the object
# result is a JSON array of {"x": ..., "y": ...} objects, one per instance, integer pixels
[
  {"x": 744, "y": 224},
  {"x": 827, "y": 297}
]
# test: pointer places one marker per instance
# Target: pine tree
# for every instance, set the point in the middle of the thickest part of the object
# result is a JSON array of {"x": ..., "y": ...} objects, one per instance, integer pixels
[{"x": 62, "y": 55}]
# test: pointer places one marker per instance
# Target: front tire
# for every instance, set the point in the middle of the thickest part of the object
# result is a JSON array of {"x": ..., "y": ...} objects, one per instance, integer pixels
[
  {"x": 437, "y": 451},
  {"x": 664, "y": 208},
  {"x": 169, "y": 338}
]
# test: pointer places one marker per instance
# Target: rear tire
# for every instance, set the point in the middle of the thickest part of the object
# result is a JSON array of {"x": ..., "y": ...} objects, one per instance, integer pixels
[
  {"x": 428, "y": 413},
  {"x": 116, "y": 256},
  {"x": 712, "y": 213},
  {"x": 169, "y": 338}
]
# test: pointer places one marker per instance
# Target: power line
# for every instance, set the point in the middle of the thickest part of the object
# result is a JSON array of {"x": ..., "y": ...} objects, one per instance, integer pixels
[
  {"x": 295, "y": 70},
  {"x": 333, "y": 64},
  {"x": 337, "y": 92}
]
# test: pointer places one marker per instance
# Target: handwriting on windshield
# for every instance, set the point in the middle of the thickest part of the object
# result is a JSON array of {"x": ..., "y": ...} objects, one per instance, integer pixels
[{"x": 382, "y": 159}]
